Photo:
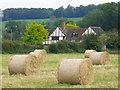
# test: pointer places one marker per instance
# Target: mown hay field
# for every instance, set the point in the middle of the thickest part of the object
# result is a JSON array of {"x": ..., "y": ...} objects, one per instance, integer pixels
[{"x": 105, "y": 76}]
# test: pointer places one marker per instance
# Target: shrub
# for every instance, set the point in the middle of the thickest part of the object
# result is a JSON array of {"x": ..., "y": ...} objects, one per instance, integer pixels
[
  {"x": 53, "y": 48},
  {"x": 113, "y": 51},
  {"x": 114, "y": 40},
  {"x": 9, "y": 46},
  {"x": 91, "y": 41},
  {"x": 66, "y": 47}
]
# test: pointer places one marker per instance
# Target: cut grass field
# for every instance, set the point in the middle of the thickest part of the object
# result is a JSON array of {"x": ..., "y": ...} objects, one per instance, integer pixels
[{"x": 105, "y": 76}]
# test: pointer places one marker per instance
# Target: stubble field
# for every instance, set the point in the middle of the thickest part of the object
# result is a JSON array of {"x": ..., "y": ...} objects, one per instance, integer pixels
[{"x": 105, "y": 76}]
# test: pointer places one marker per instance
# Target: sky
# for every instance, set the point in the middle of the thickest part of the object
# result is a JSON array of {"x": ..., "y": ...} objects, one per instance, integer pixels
[{"x": 4, "y": 4}]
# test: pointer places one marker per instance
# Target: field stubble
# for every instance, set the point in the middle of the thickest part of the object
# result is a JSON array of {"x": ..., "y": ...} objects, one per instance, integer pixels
[{"x": 105, "y": 76}]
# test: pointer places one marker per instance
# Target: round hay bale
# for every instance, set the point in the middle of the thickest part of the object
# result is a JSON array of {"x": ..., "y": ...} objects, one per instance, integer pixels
[
  {"x": 100, "y": 58},
  {"x": 40, "y": 54},
  {"x": 88, "y": 53},
  {"x": 24, "y": 64},
  {"x": 32, "y": 53},
  {"x": 75, "y": 71}
]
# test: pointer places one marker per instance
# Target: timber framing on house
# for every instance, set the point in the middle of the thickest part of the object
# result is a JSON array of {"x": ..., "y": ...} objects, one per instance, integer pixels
[{"x": 70, "y": 34}]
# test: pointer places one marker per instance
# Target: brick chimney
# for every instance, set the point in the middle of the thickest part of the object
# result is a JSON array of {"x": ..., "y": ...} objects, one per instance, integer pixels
[{"x": 63, "y": 25}]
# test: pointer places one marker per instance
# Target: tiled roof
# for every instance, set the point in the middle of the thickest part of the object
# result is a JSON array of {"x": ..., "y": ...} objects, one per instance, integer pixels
[
  {"x": 69, "y": 31},
  {"x": 50, "y": 31},
  {"x": 79, "y": 31},
  {"x": 97, "y": 29}
]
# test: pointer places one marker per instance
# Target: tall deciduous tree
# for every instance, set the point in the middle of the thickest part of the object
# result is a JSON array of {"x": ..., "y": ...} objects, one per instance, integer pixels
[
  {"x": 14, "y": 30},
  {"x": 70, "y": 11},
  {"x": 105, "y": 17},
  {"x": 35, "y": 34},
  {"x": 60, "y": 12}
]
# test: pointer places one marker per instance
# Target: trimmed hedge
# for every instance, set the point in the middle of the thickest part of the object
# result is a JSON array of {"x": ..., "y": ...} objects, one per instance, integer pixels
[
  {"x": 113, "y": 51},
  {"x": 11, "y": 47},
  {"x": 66, "y": 47}
]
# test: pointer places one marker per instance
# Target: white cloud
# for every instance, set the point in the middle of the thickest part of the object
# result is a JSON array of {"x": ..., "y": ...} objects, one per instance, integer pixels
[{"x": 48, "y": 3}]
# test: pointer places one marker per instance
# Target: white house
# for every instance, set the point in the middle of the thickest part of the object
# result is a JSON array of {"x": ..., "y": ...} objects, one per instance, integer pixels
[
  {"x": 56, "y": 36},
  {"x": 70, "y": 34}
]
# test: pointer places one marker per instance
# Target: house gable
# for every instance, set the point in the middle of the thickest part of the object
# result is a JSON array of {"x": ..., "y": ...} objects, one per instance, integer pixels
[
  {"x": 57, "y": 32},
  {"x": 89, "y": 31},
  {"x": 55, "y": 36},
  {"x": 93, "y": 30}
]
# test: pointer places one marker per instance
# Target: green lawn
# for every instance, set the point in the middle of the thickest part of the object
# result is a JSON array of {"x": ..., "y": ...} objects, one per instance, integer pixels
[{"x": 104, "y": 76}]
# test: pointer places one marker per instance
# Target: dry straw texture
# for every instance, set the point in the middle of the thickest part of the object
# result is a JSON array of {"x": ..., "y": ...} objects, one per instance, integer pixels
[
  {"x": 100, "y": 58},
  {"x": 40, "y": 54},
  {"x": 88, "y": 53},
  {"x": 24, "y": 64},
  {"x": 75, "y": 71}
]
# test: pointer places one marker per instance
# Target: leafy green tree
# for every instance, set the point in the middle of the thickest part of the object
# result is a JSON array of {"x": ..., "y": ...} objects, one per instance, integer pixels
[
  {"x": 91, "y": 42},
  {"x": 51, "y": 23},
  {"x": 72, "y": 25},
  {"x": 110, "y": 11},
  {"x": 94, "y": 18},
  {"x": 14, "y": 30},
  {"x": 70, "y": 11},
  {"x": 114, "y": 40},
  {"x": 119, "y": 15},
  {"x": 11, "y": 27},
  {"x": 35, "y": 34},
  {"x": 55, "y": 22},
  {"x": 60, "y": 12},
  {"x": 105, "y": 17},
  {"x": 103, "y": 39}
]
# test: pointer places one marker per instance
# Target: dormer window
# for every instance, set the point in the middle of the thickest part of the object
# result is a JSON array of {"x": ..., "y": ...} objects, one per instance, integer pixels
[{"x": 74, "y": 35}]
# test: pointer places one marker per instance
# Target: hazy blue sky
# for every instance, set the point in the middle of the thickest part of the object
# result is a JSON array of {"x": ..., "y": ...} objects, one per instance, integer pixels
[{"x": 48, "y": 3}]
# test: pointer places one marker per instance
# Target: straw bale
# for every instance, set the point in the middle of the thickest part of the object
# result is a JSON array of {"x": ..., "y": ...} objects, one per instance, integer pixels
[
  {"x": 88, "y": 53},
  {"x": 24, "y": 64},
  {"x": 100, "y": 58},
  {"x": 40, "y": 54},
  {"x": 75, "y": 71}
]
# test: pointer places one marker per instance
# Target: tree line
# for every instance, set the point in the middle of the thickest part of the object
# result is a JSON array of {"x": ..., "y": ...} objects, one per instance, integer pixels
[
  {"x": 42, "y": 13},
  {"x": 106, "y": 17}
]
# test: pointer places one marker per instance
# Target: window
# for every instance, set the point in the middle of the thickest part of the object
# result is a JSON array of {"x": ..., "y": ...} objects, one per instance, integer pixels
[
  {"x": 55, "y": 38},
  {"x": 74, "y": 35}
]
